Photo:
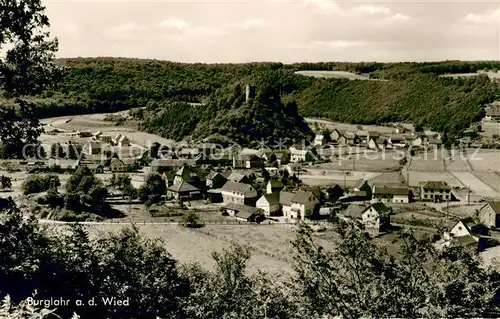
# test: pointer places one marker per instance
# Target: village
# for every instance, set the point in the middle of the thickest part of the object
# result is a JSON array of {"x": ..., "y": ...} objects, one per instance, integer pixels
[{"x": 386, "y": 178}]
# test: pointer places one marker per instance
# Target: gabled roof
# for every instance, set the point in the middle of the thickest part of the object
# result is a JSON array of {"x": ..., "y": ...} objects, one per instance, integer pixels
[
  {"x": 236, "y": 177},
  {"x": 186, "y": 172},
  {"x": 183, "y": 187},
  {"x": 212, "y": 175},
  {"x": 380, "y": 208},
  {"x": 359, "y": 183},
  {"x": 167, "y": 162},
  {"x": 275, "y": 183},
  {"x": 495, "y": 206},
  {"x": 273, "y": 198},
  {"x": 434, "y": 185},
  {"x": 231, "y": 186},
  {"x": 243, "y": 211},
  {"x": 285, "y": 198},
  {"x": 122, "y": 138},
  {"x": 115, "y": 160},
  {"x": 384, "y": 190},
  {"x": 355, "y": 211},
  {"x": 467, "y": 240},
  {"x": 302, "y": 197}
]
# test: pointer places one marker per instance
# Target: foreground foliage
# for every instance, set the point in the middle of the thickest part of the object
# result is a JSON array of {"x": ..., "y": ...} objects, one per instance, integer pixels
[{"x": 357, "y": 279}]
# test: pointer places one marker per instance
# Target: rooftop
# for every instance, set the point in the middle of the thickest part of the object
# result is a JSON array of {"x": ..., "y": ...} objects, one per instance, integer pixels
[{"x": 238, "y": 187}]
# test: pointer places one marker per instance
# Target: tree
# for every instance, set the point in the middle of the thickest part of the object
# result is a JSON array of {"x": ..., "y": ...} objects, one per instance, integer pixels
[
  {"x": 40, "y": 183},
  {"x": 74, "y": 151},
  {"x": 359, "y": 278},
  {"x": 229, "y": 292},
  {"x": 85, "y": 187},
  {"x": 5, "y": 182},
  {"x": 26, "y": 69},
  {"x": 153, "y": 190},
  {"x": 57, "y": 151},
  {"x": 191, "y": 220}
]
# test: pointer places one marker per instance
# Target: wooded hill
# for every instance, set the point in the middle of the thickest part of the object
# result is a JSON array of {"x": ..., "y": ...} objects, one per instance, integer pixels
[{"x": 413, "y": 93}]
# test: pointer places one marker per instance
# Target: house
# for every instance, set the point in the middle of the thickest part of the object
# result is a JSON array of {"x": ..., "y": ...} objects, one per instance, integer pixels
[
  {"x": 352, "y": 139},
  {"x": 466, "y": 233},
  {"x": 320, "y": 139},
  {"x": 335, "y": 135},
  {"x": 274, "y": 186},
  {"x": 239, "y": 193},
  {"x": 268, "y": 156},
  {"x": 270, "y": 204},
  {"x": 181, "y": 190},
  {"x": 239, "y": 178},
  {"x": 123, "y": 141},
  {"x": 418, "y": 141},
  {"x": 93, "y": 148},
  {"x": 188, "y": 174},
  {"x": 376, "y": 218},
  {"x": 436, "y": 191},
  {"x": 381, "y": 142},
  {"x": 162, "y": 164},
  {"x": 97, "y": 135},
  {"x": 301, "y": 205},
  {"x": 372, "y": 144},
  {"x": 293, "y": 168},
  {"x": 106, "y": 139},
  {"x": 489, "y": 215},
  {"x": 386, "y": 194},
  {"x": 215, "y": 180},
  {"x": 94, "y": 168},
  {"x": 342, "y": 141},
  {"x": 247, "y": 161},
  {"x": 285, "y": 203},
  {"x": 362, "y": 186},
  {"x": 493, "y": 112},
  {"x": 434, "y": 142},
  {"x": 117, "y": 165},
  {"x": 244, "y": 212},
  {"x": 282, "y": 157},
  {"x": 116, "y": 139},
  {"x": 300, "y": 155},
  {"x": 397, "y": 141}
]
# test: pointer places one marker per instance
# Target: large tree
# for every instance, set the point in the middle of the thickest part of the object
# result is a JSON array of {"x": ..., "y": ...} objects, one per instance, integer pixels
[{"x": 26, "y": 69}]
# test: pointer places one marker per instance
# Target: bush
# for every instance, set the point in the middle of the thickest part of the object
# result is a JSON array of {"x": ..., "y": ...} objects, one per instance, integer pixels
[
  {"x": 191, "y": 220},
  {"x": 40, "y": 183}
]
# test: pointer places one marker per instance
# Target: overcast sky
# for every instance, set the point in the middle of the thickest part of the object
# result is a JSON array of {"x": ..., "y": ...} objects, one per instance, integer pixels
[{"x": 273, "y": 30}]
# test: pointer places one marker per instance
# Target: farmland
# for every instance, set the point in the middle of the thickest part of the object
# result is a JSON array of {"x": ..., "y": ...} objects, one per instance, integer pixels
[
  {"x": 332, "y": 75},
  {"x": 475, "y": 184}
]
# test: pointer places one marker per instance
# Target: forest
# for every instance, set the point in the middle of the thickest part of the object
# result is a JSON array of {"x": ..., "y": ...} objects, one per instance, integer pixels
[{"x": 413, "y": 92}]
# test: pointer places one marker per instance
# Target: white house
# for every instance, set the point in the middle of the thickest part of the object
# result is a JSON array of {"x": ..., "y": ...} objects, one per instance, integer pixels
[
  {"x": 123, "y": 141},
  {"x": 320, "y": 139},
  {"x": 239, "y": 193},
  {"x": 301, "y": 205},
  {"x": 386, "y": 194},
  {"x": 297, "y": 155},
  {"x": 376, "y": 218},
  {"x": 269, "y": 203}
]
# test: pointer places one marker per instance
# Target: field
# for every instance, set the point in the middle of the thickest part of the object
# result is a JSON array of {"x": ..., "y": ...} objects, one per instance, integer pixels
[
  {"x": 485, "y": 160},
  {"x": 492, "y": 179},
  {"x": 430, "y": 164},
  {"x": 270, "y": 244},
  {"x": 475, "y": 184},
  {"x": 93, "y": 123},
  {"x": 333, "y": 74}
]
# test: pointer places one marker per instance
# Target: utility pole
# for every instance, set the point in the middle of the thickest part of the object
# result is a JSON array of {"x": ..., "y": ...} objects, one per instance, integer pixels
[
  {"x": 354, "y": 163},
  {"x": 345, "y": 180},
  {"x": 468, "y": 196}
]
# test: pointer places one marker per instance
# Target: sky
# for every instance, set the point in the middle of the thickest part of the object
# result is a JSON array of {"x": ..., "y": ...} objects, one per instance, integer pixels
[{"x": 276, "y": 30}]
